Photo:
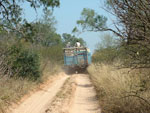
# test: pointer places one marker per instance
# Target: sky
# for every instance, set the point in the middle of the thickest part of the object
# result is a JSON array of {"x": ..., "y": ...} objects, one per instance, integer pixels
[{"x": 67, "y": 15}]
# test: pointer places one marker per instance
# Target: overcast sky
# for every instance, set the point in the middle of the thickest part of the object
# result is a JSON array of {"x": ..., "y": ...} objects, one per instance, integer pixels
[{"x": 67, "y": 15}]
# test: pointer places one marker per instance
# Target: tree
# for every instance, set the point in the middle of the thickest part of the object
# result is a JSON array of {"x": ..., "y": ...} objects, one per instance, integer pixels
[
  {"x": 107, "y": 41},
  {"x": 11, "y": 11},
  {"x": 92, "y": 21},
  {"x": 108, "y": 50},
  {"x": 134, "y": 18},
  {"x": 42, "y": 32},
  {"x": 132, "y": 26}
]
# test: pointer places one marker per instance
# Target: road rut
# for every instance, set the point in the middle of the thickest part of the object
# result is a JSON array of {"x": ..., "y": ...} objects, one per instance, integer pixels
[
  {"x": 37, "y": 103},
  {"x": 85, "y": 100},
  {"x": 75, "y": 96}
]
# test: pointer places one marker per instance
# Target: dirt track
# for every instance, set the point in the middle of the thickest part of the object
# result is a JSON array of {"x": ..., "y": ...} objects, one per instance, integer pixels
[
  {"x": 37, "y": 103},
  {"x": 81, "y": 100},
  {"x": 85, "y": 96}
]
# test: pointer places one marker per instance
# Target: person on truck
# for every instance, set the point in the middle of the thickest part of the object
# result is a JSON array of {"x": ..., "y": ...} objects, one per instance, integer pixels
[
  {"x": 68, "y": 45},
  {"x": 77, "y": 44}
]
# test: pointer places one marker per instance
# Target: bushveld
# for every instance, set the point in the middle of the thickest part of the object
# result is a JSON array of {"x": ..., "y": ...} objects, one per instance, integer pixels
[{"x": 121, "y": 90}]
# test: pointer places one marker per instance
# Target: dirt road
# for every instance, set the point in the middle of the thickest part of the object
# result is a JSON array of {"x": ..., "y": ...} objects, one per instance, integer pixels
[
  {"x": 63, "y": 97},
  {"x": 85, "y": 100},
  {"x": 38, "y": 102}
]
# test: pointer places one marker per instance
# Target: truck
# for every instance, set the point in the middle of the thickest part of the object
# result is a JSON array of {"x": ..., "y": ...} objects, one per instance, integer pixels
[{"x": 76, "y": 59}]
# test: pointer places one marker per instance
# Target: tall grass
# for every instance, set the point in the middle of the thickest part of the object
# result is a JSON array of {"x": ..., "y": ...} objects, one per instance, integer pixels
[
  {"x": 11, "y": 90},
  {"x": 121, "y": 90}
]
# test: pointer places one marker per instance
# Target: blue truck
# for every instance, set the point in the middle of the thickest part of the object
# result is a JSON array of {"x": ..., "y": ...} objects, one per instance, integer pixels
[{"x": 77, "y": 59}]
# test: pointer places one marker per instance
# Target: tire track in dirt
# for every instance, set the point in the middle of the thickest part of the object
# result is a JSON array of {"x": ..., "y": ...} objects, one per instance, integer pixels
[
  {"x": 77, "y": 95},
  {"x": 38, "y": 102},
  {"x": 74, "y": 94},
  {"x": 61, "y": 102},
  {"x": 84, "y": 100}
]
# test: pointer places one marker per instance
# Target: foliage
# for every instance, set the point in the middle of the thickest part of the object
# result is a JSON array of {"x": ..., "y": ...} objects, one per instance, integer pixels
[
  {"x": 108, "y": 50},
  {"x": 107, "y": 41},
  {"x": 72, "y": 39},
  {"x": 106, "y": 55},
  {"x": 54, "y": 54},
  {"x": 30, "y": 52},
  {"x": 10, "y": 11},
  {"x": 41, "y": 32},
  {"x": 21, "y": 62},
  {"x": 25, "y": 52},
  {"x": 133, "y": 17},
  {"x": 127, "y": 93},
  {"x": 132, "y": 26},
  {"x": 90, "y": 20}
]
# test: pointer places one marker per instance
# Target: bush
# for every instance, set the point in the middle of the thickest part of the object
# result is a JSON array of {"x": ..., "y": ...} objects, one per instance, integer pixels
[
  {"x": 54, "y": 54},
  {"x": 108, "y": 50},
  {"x": 105, "y": 55},
  {"x": 111, "y": 55},
  {"x": 22, "y": 62}
]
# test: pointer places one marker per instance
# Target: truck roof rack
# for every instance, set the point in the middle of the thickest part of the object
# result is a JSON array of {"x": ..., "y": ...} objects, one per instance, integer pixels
[{"x": 75, "y": 48}]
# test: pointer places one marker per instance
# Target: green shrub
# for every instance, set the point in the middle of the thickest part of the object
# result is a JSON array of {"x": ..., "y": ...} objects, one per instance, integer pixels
[
  {"x": 54, "y": 54},
  {"x": 105, "y": 55},
  {"x": 108, "y": 50},
  {"x": 23, "y": 62}
]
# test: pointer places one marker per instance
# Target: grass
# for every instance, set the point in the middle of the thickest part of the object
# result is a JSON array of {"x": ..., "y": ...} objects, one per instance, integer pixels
[
  {"x": 13, "y": 89},
  {"x": 49, "y": 69},
  {"x": 121, "y": 90}
]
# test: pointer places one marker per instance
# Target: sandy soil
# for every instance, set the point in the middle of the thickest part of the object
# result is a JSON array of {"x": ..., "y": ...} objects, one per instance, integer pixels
[
  {"x": 37, "y": 102},
  {"x": 62, "y": 101},
  {"x": 85, "y": 96},
  {"x": 69, "y": 94}
]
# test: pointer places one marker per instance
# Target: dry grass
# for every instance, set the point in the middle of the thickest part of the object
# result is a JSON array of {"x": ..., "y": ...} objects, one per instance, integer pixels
[
  {"x": 50, "y": 69},
  {"x": 12, "y": 89},
  {"x": 120, "y": 91}
]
